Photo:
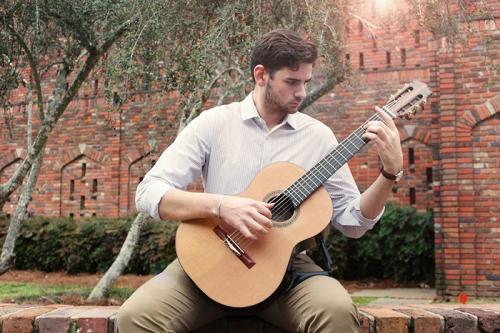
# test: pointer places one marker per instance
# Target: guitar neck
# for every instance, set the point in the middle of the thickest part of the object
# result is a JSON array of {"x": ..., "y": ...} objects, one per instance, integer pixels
[
  {"x": 404, "y": 104},
  {"x": 331, "y": 163}
]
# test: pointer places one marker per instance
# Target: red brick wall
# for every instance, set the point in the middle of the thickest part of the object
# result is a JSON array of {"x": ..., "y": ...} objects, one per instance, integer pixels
[{"x": 454, "y": 142}]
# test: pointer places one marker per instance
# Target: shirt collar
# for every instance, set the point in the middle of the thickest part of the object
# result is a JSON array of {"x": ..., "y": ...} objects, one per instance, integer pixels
[{"x": 249, "y": 111}]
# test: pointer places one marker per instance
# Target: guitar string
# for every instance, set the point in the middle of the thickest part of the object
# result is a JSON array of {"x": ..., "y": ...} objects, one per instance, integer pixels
[
  {"x": 308, "y": 175},
  {"x": 356, "y": 134},
  {"x": 330, "y": 159},
  {"x": 296, "y": 187},
  {"x": 302, "y": 190},
  {"x": 329, "y": 156},
  {"x": 284, "y": 205},
  {"x": 341, "y": 148}
]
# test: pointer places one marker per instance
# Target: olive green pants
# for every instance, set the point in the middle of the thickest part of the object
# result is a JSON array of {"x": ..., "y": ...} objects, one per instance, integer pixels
[{"x": 171, "y": 302}]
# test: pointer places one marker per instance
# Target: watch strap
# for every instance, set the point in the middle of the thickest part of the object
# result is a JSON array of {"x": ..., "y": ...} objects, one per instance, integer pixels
[{"x": 387, "y": 175}]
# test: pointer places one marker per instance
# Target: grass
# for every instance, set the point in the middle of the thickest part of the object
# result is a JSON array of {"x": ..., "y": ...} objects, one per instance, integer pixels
[
  {"x": 32, "y": 292},
  {"x": 363, "y": 300}
]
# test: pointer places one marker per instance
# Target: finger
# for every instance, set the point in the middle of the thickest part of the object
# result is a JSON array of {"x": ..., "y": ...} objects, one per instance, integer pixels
[
  {"x": 382, "y": 131},
  {"x": 386, "y": 118},
  {"x": 254, "y": 226},
  {"x": 246, "y": 232},
  {"x": 372, "y": 137},
  {"x": 375, "y": 123},
  {"x": 265, "y": 210},
  {"x": 262, "y": 220}
]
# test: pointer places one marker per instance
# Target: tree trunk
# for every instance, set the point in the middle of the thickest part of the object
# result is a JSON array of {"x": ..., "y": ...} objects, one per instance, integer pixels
[
  {"x": 15, "y": 222},
  {"x": 123, "y": 258},
  {"x": 121, "y": 261}
]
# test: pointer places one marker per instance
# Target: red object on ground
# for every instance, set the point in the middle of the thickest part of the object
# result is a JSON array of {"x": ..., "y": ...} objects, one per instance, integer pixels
[{"x": 462, "y": 297}]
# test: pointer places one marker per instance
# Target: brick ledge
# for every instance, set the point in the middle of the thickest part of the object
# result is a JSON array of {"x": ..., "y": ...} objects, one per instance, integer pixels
[{"x": 420, "y": 318}]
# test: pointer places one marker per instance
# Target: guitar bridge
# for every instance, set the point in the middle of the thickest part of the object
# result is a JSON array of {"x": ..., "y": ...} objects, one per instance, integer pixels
[{"x": 234, "y": 247}]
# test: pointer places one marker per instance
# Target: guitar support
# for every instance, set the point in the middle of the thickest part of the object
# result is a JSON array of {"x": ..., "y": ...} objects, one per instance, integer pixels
[
  {"x": 320, "y": 240},
  {"x": 293, "y": 278}
]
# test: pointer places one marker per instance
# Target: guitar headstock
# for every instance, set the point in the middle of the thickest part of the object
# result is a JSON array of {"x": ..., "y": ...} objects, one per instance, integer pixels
[{"x": 408, "y": 100}]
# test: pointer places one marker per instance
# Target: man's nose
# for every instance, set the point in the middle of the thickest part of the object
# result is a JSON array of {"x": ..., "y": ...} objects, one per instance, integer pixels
[{"x": 301, "y": 92}]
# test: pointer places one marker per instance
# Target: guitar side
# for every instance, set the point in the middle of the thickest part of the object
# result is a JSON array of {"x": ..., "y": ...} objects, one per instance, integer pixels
[{"x": 221, "y": 274}]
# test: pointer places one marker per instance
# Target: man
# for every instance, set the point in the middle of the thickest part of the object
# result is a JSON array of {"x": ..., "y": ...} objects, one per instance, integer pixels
[{"x": 229, "y": 145}]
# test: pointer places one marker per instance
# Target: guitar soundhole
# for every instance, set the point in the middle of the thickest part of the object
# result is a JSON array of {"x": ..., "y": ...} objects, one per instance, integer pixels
[{"x": 283, "y": 209}]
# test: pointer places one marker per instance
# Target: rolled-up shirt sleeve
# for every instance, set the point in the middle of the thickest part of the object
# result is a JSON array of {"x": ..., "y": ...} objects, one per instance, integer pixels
[
  {"x": 347, "y": 216},
  {"x": 180, "y": 164}
]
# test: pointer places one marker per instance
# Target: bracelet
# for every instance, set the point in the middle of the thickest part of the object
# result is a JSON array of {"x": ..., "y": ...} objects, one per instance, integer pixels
[{"x": 219, "y": 205}]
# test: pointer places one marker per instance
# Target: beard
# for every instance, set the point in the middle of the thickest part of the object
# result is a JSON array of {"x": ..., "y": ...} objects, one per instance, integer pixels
[{"x": 273, "y": 102}]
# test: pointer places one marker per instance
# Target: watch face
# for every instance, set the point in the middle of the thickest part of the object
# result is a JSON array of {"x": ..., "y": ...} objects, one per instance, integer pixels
[{"x": 399, "y": 175}]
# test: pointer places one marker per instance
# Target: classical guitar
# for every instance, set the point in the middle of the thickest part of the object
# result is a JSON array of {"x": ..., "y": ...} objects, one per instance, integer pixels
[{"x": 238, "y": 272}]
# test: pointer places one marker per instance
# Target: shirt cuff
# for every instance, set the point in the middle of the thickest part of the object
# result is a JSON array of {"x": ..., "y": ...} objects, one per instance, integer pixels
[
  {"x": 150, "y": 203},
  {"x": 355, "y": 210}
]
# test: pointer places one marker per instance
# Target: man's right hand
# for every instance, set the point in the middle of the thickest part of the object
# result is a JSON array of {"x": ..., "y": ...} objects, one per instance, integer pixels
[{"x": 250, "y": 217}]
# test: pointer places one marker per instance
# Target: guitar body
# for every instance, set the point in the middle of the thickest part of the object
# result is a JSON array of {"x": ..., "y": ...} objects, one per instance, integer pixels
[{"x": 225, "y": 277}]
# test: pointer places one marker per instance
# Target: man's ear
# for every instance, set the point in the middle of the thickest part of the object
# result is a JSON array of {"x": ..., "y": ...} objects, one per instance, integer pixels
[{"x": 260, "y": 75}]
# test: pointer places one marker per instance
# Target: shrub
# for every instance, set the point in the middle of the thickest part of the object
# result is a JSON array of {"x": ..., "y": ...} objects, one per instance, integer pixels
[
  {"x": 90, "y": 245},
  {"x": 400, "y": 246}
]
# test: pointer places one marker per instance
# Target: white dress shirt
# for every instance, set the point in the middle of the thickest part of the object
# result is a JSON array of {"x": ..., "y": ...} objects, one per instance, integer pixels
[{"x": 230, "y": 144}]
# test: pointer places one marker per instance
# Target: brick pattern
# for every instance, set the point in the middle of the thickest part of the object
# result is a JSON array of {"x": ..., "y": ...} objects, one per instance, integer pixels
[
  {"x": 429, "y": 318},
  {"x": 454, "y": 141}
]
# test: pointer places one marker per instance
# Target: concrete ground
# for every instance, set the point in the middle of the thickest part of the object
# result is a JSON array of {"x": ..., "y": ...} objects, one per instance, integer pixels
[{"x": 398, "y": 295}]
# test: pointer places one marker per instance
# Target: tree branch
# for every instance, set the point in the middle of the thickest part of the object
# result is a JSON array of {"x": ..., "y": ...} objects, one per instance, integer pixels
[
  {"x": 47, "y": 67},
  {"x": 12, "y": 9},
  {"x": 34, "y": 70},
  {"x": 117, "y": 33},
  {"x": 196, "y": 106},
  {"x": 331, "y": 81},
  {"x": 57, "y": 108},
  {"x": 77, "y": 30}
]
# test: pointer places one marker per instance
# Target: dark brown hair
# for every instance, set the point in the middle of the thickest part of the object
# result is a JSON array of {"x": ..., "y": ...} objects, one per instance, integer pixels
[{"x": 282, "y": 48}]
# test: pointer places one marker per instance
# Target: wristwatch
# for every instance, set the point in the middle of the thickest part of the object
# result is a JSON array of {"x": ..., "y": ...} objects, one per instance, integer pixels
[{"x": 397, "y": 177}]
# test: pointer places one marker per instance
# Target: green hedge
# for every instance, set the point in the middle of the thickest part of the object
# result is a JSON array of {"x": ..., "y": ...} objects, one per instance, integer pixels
[
  {"x": 90, "y": 245},
  {"x": 401, "y": 246}
]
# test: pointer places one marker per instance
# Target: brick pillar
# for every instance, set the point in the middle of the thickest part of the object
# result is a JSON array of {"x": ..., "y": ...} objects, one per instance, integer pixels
[{"x": 447, "y": 225}]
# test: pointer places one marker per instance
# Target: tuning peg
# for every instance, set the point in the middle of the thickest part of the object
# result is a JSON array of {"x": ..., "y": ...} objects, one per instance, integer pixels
[{"x": 402, "y": 90}]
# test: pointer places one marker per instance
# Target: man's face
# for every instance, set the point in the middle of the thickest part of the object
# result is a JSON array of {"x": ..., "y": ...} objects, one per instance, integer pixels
[{"x": 286, "y": 88}]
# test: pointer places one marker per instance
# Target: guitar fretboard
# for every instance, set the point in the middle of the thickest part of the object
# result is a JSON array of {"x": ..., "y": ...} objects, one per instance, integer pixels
[{"x": 325, "y": 168}]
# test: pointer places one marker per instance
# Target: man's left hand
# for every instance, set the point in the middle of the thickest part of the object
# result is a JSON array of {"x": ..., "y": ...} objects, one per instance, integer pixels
[{"x": 385, "y": 135}]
